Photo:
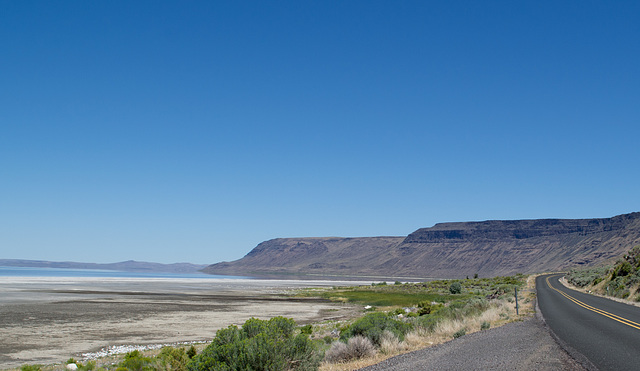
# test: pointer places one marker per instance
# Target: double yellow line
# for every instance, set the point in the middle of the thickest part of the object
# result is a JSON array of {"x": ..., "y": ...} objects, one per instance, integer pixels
[{"x": 594, "y": 309}]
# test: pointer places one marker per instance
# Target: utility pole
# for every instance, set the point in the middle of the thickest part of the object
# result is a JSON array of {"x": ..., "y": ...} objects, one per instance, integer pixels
[{"x": 517, "y": 311}]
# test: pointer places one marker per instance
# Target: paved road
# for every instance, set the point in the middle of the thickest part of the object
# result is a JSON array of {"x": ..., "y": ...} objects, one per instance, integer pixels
[
  {"x": 606, "y": 332},
  {"x": 525, "y": 346}
]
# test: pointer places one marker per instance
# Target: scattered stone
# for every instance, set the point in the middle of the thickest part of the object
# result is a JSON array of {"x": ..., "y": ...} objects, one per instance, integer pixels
[{"x": 122, "y": 349}]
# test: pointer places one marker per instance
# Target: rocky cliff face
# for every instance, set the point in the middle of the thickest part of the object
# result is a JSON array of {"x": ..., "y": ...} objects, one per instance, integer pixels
[
  {"x": 316, "y": 256},
  {"x": 518, "y": 229},
  {"x": 450, "y": 250}
]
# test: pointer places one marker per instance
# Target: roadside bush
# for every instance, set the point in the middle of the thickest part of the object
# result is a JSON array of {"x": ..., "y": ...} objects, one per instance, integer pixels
[
  {"x": 455, "y": 288},
  {"x": 135, "y": 361},
  {"x": 389, "y": 343},
  {"x": 191, "y": 352},
  {"x": 258, "y": 345},
  {"x": 426, "y": 307},
  {"x": 456, "y": 310},
  {"x": 621, "y": 269},
  {"x": 337, "y": 353},
  {"x": 306, "y": 329},
  {"x": 175, "y": 359},
  {"x": 617, "y": 287},
  {"x": 485, "y": 325},
  {"x": 360, "y": 347},
  {"x": 357, "y": 347},
  {"x": 373, "y": 325},
  {"x": 587, "y": 276},
  {"x": 460, "y": 333},
  {"x": 89, "y": 366},
  {"x": 30, "y": 368}
]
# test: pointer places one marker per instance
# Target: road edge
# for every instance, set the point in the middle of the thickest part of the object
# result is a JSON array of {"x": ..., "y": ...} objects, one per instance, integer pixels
[{"x": 573, "y": 353}]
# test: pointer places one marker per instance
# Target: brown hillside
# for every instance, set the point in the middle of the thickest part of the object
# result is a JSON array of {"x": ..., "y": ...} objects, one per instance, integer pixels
[{"x": 449, "y": 250}]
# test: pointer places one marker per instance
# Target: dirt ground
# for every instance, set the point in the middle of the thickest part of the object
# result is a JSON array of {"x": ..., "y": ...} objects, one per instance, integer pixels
[{"x": 49, "y": 320}]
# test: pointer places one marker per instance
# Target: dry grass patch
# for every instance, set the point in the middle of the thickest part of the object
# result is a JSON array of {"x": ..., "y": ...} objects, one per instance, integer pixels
[{"x": 499, "y": 313}]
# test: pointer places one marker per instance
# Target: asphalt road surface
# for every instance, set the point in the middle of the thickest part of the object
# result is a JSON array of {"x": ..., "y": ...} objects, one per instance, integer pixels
[
  {"x": 525, "y": 346},
  {"x": 606, "y": 332}
]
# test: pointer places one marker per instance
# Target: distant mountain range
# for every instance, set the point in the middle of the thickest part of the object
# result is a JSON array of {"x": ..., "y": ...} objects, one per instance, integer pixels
[
  {"x": 126, "y": 266},
  {"x": 448, "y": 250}
]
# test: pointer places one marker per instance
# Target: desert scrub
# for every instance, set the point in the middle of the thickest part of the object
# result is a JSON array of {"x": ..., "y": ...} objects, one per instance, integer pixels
[
  {"x": 455, "y": 288},
  {"x": 460, "y": 333},
  {"x": 426, "y": 307},
  {"x": 259, "y": 345},
  {"x": 373, "y": 325},
  {"x": 457, "y": 310},
  {"x": 588, "y": 276},
  {"x": 618, "y": 280},
  {"x": 175, "y": 359},
  {"x": 355, "y": 348},
  {"x": 135, "y": 361},
  {"x": 409, "y": 294}
]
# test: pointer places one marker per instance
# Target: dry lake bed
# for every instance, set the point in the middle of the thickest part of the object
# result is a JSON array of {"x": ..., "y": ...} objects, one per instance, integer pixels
[{"x": 47, "y": 320}]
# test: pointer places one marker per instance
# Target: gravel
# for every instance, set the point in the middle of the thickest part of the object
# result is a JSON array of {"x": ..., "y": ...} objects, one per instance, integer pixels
[{"x": 525, "y": 345}]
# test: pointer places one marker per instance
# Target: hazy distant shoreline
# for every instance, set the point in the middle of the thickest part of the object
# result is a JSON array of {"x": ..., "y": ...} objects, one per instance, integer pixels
[
  {"x": 125, "y": 266},
  {"x": 13, "y": 271}
]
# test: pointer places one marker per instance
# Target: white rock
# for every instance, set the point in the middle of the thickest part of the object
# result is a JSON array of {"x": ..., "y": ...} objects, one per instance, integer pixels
[{"x": 72, "y": 366}]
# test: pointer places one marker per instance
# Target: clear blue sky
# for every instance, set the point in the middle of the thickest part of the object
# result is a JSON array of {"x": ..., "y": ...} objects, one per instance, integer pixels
[{"x": 192, "y": 131}]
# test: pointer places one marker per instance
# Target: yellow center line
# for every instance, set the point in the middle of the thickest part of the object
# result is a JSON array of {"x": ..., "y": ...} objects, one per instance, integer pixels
[{"x": 596, "y": 310}]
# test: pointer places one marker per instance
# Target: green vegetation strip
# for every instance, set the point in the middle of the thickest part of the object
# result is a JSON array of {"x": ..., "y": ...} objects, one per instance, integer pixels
[{"x": 621, "y": 280}]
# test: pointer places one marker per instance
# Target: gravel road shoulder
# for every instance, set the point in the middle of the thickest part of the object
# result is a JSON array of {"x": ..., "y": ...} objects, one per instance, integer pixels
[{"x": 525, "y": 345}]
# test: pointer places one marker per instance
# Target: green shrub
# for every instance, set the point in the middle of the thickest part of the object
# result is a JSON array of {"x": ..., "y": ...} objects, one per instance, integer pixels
[
  {"x": 618, "y": 287},
  {"x": 306, "y": 329},
  {"x": 426, "y": 307},
  {"x": 175, "y": 359},
  {"x": 373, "y": 325},
  {"x": 455, "y": 288},
  {"x": 89, "y": 366},
  {"x": 460, "y": 333},
  {"x": 588, "y": 276},
  {"x": 30, "y": 367},
  {"x": 135, "y": 361},
  {"x": 191, "y": 352},
  {"x": 258, "y": 345},
  {"x": 485, "y": 325},
  {"x": 621, "y": 269},
  {"x": 456, "y": 310}
]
